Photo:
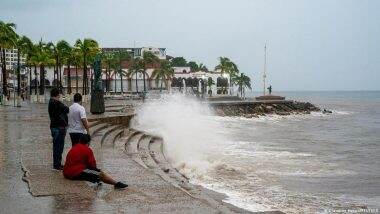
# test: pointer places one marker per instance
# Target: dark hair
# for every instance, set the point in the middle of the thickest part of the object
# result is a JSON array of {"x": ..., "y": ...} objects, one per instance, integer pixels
[
  {"x": 54, "y": 92},
  {"x": 85, "y": 139},
  {"x": 77, "y": 98}
]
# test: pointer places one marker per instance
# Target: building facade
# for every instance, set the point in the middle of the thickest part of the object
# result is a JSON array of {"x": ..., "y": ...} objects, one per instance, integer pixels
[{"x": 139, "y": 52}]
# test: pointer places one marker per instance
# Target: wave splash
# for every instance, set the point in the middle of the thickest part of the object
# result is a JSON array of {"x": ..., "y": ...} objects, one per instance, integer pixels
[{"x": 192, "y": 139}]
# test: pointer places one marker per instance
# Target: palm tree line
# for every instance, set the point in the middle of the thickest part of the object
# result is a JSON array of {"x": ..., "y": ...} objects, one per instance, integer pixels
[
  {"x": 42, "y": 54},
  {"x": 81, "y": 54}
]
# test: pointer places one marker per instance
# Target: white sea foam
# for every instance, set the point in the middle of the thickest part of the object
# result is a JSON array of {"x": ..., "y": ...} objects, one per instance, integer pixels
[
  {"x": 191, "y": 137},
  {"x": 198, "y": 143}
]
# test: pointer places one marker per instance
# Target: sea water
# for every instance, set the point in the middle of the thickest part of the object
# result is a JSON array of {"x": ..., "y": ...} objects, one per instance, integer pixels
[{"x": 298, "y": 163}]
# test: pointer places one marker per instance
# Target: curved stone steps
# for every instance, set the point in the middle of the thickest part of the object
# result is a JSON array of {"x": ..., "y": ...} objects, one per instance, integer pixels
[
  {"x": 94, "y": 123},
  {"x": 97, "y": 128},
  {"x": 122, "y": 141},
  {"x": 157, "y": 153},
  {"x": 99, "y": 135},
  {"x": 109, "y": 133},
  {"x": 131, "y": 148},
  {"x": 117, "y": 134},
  {"x": 143, "y": 149}
]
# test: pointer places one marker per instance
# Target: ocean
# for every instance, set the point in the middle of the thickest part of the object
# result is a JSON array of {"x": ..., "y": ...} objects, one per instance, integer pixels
[{"x": 313, "y": 163}]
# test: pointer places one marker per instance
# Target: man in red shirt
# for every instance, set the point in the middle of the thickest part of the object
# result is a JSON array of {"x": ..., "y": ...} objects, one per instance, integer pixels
[{"x": 81, "y": 165}]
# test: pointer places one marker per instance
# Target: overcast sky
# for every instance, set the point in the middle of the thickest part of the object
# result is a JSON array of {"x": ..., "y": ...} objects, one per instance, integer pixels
[{"x": 312, "y": 45}]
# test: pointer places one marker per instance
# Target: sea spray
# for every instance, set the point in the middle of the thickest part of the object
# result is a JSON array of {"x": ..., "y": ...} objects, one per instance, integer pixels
[{"x": 192, "y": 138}]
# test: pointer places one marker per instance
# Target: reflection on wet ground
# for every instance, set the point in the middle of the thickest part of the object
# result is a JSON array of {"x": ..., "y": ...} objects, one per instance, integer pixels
[{"x": 24, "y": 140}]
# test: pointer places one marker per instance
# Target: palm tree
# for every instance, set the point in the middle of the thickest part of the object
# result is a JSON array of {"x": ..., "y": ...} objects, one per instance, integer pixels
[
  {"x": 77, "y": 61},
  {"x": 31, "y": 61},
  {"x": 54, "y": 52},
  {"x": 120, "y": 57},
  {"x": 210, "y": 83},
  {"x": 43, "y": 58},
  {"x": 88, "y": 49},
  {"x": 29, "y": 52},
  {"x": 8, "y": 39},
  {"x": 202, "y": 67},
  {"x": 243, "y": 82},
  {"x": 23, "y": 45},
  {"x": 137, "y": 66},
  {"x": 108, "y": 61},
  {"x": 227, "y": 66},
  {"x": 164, "y": 73},
  {"x": 66, "y": 57},
  {"x": 149, "y": 60},
  {"x": 63, "y": 51}
]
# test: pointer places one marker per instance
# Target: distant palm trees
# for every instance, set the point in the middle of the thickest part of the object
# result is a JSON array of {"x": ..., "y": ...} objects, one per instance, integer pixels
[
  {"x": 119, "y": 58},
  {"x": 88, "y": 48},
  {"x": 149, "y": 60},
  {"x": 227, "y": 66},
  {"x": 42, "y": 57},
  {"x": 81, "y": 55},
  {"x": 242, "y": 82},
  {"x": 23, "y": 45},
  {"x": 108, "y": 62},
  {"x": 163, "y": 74},
  {"x": 8, "y": 38},
  {"x": 137, "y": 66}
]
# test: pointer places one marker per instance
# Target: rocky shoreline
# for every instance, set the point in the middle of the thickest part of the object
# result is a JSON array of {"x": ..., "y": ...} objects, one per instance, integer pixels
[{"x": 256, "y": 109}]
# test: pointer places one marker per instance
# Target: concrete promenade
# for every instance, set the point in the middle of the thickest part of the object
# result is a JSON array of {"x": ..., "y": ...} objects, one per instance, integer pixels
[{"x": 25, "y": 145}]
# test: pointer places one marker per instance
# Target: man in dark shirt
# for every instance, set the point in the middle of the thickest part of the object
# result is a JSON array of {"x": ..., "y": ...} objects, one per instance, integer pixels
[{"x": 58, "y": 123}]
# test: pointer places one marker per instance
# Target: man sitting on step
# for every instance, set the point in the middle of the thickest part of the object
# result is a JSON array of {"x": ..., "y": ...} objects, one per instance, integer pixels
[{"x": 81, "y": 165}]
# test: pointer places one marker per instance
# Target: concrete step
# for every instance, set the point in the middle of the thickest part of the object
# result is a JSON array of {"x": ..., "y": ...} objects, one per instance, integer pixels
[
  {"x": 157, "y": 153},
  {"x": 120, "y": 144},
  {"x": 108, "y": 135},
  {"x": 143, "y": 148},
  {"x": 93, "y": 123},
  {"x": 97, "y": 128},
  {"x": 132, "y": 149}
]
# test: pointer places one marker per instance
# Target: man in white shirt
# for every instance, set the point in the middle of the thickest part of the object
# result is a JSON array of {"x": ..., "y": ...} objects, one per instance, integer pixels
[{"x": 78, "y": 125}]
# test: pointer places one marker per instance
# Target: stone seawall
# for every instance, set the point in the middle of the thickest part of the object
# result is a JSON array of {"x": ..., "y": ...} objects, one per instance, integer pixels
[{"x": 251, "y": 109}]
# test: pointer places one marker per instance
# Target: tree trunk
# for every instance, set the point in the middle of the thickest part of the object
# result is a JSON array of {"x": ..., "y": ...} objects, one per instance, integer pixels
[
  {"x": 35, "y": 80},
  {"x": 55, "y": 78},
  {"x": 137, "y": 88},
  {"x": 84, "y": 89},
  {"x": 4, "y": 70},
  {"x": 107, "y": 77},
  {"x": 121, "y": 83},
  {"x": 230, "y": 85},
  {"x": 161, "y": 85},
  {"x": 68, "y": 79},
  {"x": 60, "y": 78},
  {"x": 42, "y": 79},
  {"x": 144, "y": 81},
  {"x": 30, "y": 81},
  {"x": 115, "y": 81},
  {"x": 76, "y": 79},
  {"x": 18, "y": 74}
]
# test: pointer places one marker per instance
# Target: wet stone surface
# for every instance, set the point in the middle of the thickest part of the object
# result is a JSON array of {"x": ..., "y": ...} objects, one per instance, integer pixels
[{"x": 25, "y": 142}]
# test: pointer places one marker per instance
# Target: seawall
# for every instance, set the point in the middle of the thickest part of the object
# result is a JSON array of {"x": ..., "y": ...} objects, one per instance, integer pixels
[{"x": 258, "y": 108}]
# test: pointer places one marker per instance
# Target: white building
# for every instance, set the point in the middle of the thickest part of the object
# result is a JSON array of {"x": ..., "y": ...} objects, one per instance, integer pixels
[
  {"x": 139, "y": 52},
  {"x": 183, "y": 80},
  {"x": 11, "y": 58}
]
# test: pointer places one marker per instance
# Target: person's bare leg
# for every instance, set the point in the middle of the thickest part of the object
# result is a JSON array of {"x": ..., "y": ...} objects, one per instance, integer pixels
[{"x": 106, "y": 178}]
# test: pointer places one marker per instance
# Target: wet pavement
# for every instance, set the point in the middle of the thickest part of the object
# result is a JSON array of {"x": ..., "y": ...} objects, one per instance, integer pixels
[
  {"x": 17, "y": 128},
  {"x": 25, "y": 143}
]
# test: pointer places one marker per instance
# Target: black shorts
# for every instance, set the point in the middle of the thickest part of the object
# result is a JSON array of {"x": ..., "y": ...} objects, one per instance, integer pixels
[
  {"x": 91, "y": 175},
  {"x": 75, "y": 138}
]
